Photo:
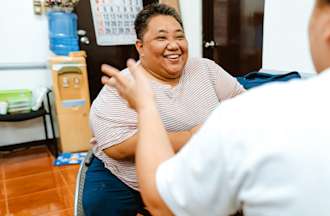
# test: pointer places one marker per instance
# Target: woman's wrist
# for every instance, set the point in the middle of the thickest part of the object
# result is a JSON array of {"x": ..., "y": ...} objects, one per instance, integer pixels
[{"x": 147, "y": 106}]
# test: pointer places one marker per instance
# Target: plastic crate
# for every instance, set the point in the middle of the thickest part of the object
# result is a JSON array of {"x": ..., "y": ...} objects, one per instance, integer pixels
[{"x": 18, "y": 98}]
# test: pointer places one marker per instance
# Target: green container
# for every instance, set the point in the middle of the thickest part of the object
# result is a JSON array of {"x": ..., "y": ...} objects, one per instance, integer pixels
[{"x": 17, "y": 99}]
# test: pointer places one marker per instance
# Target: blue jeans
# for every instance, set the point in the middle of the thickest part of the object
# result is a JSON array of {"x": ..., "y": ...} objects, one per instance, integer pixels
[{"x": 105, "y": 194}]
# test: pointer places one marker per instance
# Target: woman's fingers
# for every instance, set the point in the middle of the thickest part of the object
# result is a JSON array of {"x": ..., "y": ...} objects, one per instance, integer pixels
[
  {"x": 113, "y": 73},
  {"x": 105, "y": 80},
  {"x": 116, "y": 80},
  {"x": 110, "y": 81},
  {"x": 109, "y": 70},
  {"x": 133, "y": 67}
]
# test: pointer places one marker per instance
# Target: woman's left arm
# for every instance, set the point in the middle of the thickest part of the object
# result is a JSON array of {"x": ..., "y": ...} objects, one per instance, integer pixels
[{"x": 226, "y": 86}]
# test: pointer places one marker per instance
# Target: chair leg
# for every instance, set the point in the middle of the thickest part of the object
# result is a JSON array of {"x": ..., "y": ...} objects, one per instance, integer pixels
[
  {"x": 45, "y": 126},
  {"x": 44, "y": 120},
  {"x": 52, "y": 126}
]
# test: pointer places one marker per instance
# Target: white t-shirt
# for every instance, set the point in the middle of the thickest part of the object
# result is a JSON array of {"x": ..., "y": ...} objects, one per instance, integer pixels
[{"x": 266, "y": 152}]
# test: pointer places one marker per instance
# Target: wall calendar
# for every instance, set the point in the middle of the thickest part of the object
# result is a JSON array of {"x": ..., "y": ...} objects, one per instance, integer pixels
[{"x": 114, "y": 21}]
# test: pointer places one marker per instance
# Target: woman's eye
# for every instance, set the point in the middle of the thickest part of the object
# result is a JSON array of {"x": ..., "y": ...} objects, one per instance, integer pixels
[{"x": 161, "y": 38}]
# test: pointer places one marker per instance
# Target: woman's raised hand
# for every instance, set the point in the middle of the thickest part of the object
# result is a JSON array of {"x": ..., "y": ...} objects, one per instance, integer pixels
[{"x": 137, "y": 91}]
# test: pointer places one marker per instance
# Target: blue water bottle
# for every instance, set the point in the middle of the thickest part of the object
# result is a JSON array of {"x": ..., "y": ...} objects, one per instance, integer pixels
[{"x": 63, "y": 37}]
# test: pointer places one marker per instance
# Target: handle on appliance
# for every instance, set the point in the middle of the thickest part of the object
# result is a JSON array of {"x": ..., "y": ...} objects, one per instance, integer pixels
[{"x": 69, "y": 69}]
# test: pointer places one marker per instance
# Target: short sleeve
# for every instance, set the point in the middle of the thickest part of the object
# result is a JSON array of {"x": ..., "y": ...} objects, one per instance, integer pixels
[
  {"x": 226, "y": 86},
  {"x": 111, "y": 119},
  {"x": 196, "y": 180}
]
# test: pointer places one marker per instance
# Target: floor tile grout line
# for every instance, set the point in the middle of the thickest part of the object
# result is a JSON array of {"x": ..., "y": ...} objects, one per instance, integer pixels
[
  {"x": 13, "y": 159},
  {"x": 63, "y": 189},
  {"x": 5, "y": 178},
  {"x": 69, "y": 185},
  {"x": 7, "y": 203},
  {"x": 50, "y": 154},
  {"x": 25, "y": 176},
  {"x": 30, "y": 149},
  {"x": 63, "y": 178},
  {"x": 53, "y": 169},
  {"x": 60, "y": 211},
  {"x": 67, "y": 182},
  {"x": 41, "y": 191},
  {"x": 44, "y": 154},
  {"x": 6, "y": 197},
  {"x": 1, "y": 173},
  {"x": 57, "y": 186},
  {"x": 3, "y": 185}
]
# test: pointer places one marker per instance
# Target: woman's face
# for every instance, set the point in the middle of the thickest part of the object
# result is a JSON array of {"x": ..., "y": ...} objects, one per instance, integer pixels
[{"x": 163, "y": 49}]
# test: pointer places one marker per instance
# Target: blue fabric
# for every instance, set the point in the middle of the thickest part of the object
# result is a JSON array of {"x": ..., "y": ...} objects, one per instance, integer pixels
[
  {"x": 104, "y": 194},
  {"x": 67, "y": 158},
  {"x": 255, "y": 79}
]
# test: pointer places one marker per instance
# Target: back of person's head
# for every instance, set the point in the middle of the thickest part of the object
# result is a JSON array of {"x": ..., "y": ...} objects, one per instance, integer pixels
[
  {"x": 325, "y": 1},
  {"x": 152, "y": 10},
  {"x": 319, "y": 35}
]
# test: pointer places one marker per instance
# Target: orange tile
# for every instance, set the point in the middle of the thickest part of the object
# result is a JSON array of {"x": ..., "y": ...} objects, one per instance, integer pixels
[
  {"x": 72, "y": 188},
  {"x": 67, "y": 212},
  {"x": 30, "y": 152},
  {"x": 54, "y": 200},
  {"x": 27, "y": 165},
  {"x": 33, "y": 183},
  {"x": 70, "y": 174},
  {"x": 67, "y": 167},
  {"x": 1, "y": 172},
  {"x": 2, "y": 191},
  {"x": 3, "y": 208}
]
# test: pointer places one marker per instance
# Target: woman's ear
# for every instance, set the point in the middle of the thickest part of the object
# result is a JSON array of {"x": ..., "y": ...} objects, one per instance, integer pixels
[
  {"x": 327, "y": 28},
  {"x": 139, "y": 47}
]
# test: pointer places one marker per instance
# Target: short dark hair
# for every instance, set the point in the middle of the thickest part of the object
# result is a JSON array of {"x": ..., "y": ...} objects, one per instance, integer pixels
[
  {"x": 142, "y": 19},
  {"x": 324, "y": 1}
]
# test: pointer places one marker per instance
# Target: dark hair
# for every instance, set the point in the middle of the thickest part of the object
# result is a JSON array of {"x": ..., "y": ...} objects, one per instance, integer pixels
[
  {"x": 142, "y": 19},
  {"x": 324, "y": 1}
]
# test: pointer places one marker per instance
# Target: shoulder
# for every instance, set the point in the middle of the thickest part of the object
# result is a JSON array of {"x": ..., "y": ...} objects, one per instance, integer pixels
[
  {"x": 199, "y": 62},
  {"x": 201, "y": 65},
  {"x": 204, "y": 63}
]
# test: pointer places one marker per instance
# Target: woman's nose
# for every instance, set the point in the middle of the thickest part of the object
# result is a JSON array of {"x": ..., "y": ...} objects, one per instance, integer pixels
[{"x": 172, "y": 45}]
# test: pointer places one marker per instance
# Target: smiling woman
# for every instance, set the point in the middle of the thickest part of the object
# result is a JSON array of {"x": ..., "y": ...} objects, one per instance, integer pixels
[
  {"x": 161, "y": 44},
  {"x": 186, "y": 91},
  {"x": 163, "y": 49}
]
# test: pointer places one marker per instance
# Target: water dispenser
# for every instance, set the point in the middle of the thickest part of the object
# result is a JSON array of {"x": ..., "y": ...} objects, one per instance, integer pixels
[
  {"x": 63, "y": 37},
  {"x": 72, "y": 102}
]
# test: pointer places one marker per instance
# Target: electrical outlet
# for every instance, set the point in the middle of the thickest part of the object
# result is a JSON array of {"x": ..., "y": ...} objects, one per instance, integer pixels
[{"x": 37, "y": 7}]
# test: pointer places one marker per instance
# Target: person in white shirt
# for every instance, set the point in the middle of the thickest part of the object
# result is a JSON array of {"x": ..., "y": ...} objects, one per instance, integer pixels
[{"x": 277, "y": 164}]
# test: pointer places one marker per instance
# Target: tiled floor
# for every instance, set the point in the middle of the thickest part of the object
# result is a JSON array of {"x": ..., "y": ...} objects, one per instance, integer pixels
[{"x": 31, "y": 185}]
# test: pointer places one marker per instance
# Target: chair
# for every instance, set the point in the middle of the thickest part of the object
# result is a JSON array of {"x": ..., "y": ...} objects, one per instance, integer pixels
[{"x": 80, "y": 182}]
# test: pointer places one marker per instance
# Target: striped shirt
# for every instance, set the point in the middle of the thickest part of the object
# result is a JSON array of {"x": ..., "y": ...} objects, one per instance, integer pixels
[{"x": 202, "y": 85}]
